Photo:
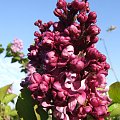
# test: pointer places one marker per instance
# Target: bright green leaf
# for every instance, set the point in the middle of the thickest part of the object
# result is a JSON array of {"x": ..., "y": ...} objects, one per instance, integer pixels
[
  {"x": 3, "y": 91},
  {"x": 35, "y": 110},
  {"x": 7, "y": 110},
  {"x": 1, "y": 118},
  {"x": 114, "y": 110},
  {"x": 8, "y": 98},
  {"x": 25, "y": 105},
  {"x": 114, "y": 92},
  {"x": 24, "y": 61},
  {"x": 13, "y": 113}
]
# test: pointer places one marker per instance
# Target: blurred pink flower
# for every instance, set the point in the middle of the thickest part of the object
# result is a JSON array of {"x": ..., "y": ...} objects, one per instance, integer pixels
[{"x": 17, "y": 45}]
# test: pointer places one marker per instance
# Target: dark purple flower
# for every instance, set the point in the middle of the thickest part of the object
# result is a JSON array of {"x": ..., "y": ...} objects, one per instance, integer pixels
[
  {"x": 92, "y": 17},
  {"x": 67, "y": 73},
  {"x": 93, "y": 30},
  {"x": 77, "y": 65},
  {"x": 51, "y": 58},
  {"x": 68, "y": 52},
  {"x": 58, "y": 12},
  {"x": 82, "y": 18},
  {"x": 61, "y": 4},
  {"x": 77, "y": 5}
]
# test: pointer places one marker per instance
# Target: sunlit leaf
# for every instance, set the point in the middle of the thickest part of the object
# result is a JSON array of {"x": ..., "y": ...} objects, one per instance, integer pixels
[
  {"x": 8, "y": 98},
  {"x": 3, "y": 91},
  {"x": 114, "y": 92},
  {"x": 36, "y": 113},
  {"x": 114, "y": 109},
  {"x": 13, "y": 113},
  {"x": 7, "y": 110}
]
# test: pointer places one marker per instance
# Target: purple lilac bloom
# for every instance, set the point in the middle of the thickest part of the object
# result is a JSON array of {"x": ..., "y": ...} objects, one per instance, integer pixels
[{"x": 67, "y": 73}]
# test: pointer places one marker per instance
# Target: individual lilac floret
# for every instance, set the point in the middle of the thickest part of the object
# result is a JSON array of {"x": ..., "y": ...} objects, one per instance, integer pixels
[{"x": 17, "y": 45}]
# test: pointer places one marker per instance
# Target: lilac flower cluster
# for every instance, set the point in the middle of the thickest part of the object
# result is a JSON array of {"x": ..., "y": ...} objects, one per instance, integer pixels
[
  {"x": 17, "y": 45},
  {"x": 70, "y": 76}
]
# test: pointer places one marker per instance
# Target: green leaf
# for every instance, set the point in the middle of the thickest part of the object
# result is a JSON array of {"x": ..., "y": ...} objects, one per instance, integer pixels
[
  {"x": 35, "y": 110},
  {"x": 7, "y": 110},
  {"x": 24, "y": 70},
  {"x": 43, "y": 114},
  {"x": 15, "y": 59},
  {"x": 9, "y": 47},
  {"x": 8, "y": 98},
  {"x": 114, "y": 110},
  {"x": 89, "y": 117},
  {"x": 24, "y": 61},
  {"x": 3, "y": 91},
  {"x": 25, "y": 106},
  {"x": 1, "y": 50},
  {"x": 13, "y": 113},
  {"x": 8, "y": 54},
  {"x": 114, "y": 92}
]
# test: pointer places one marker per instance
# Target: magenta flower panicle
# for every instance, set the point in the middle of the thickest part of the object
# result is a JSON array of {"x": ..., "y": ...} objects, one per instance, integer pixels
[{"x": 66, "y": 72}]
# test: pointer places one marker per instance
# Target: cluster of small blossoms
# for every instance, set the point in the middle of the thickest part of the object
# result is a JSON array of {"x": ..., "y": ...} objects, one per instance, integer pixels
[
  {"x": 70, "y": 73},
  {"x": 17, "y": 45}
]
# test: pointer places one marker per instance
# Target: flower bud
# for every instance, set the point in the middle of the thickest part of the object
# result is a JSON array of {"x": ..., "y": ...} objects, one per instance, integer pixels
[
  {"x": 46, "y": 78},
  {"x": 64, "y": 40},
  {"x": 68, "y": 51},
  {"x": 101, "y": 110},
  {"x": 73, "y": 29},
  {"x": 87, "y": 109},
  {"x": 94, "y": 39},
  {"x": 92, "y": 53},
  {"x": 61, "y": 4},
  {"x": 43, "y": 87},
  {"x": 77, "y": 65},
  {"x": 82, "y": 18},
  {"x": 92, "y": 17},
  {"x": 51, "y": 58},
  {"x": 37, "y": 34},
  {"x": 77, "y": 5},
  {"x": 33, "y": 87},
  {"x": 58, "y": 12},
  {"x": 102, "y": 58},
  {"x": 107, "y": 66},
  {"x": 94, "y": 101},
  {"x": 93, "y": 30}
]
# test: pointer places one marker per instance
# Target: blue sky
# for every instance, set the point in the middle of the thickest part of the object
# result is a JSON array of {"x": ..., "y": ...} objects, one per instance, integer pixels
[{"x": 17, "y": 19}]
